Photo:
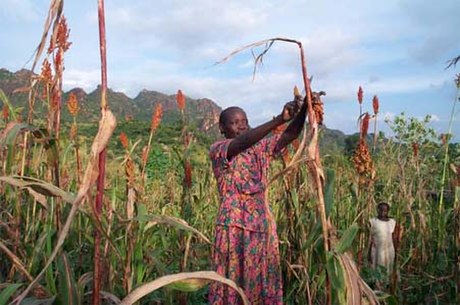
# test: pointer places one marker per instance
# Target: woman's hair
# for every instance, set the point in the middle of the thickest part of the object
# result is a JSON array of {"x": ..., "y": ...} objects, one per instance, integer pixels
[
  {"x": 224, "y": 114},
  {"x": 383, "y": 203}
]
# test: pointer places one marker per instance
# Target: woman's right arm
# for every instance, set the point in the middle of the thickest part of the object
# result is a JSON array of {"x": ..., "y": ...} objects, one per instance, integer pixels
[{"x": 252, "y": 136}]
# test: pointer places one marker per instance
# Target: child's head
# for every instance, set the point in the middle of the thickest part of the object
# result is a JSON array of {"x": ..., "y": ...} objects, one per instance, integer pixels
[
  {"x": 382, "y": 209},
  {"x": 233, "y": 122}
]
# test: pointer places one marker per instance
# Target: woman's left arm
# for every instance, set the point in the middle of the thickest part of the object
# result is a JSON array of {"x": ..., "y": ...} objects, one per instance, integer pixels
[{"x": 295, "y": 127}]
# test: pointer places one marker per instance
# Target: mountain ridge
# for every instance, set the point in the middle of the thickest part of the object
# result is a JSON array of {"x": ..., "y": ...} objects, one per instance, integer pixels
[{"x": 202, "y": 113}]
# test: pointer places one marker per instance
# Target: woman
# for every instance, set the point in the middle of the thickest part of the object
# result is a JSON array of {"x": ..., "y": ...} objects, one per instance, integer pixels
[{"x": 246, "y": 245}]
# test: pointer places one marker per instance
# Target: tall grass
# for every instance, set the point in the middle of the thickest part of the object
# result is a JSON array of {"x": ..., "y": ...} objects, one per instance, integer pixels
[
  {"x": 158, "y": 226},
  {"x": 143, "y": 235}
]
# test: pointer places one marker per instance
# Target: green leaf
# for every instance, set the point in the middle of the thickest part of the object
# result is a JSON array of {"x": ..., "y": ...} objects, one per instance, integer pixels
[
  {"x": 391, "y": 300},
  {"x": 178, "y": 223},
  {"x": 39, "y": 186},
  {"x": 10, "y": 133},
  {"x": 329, "y": 190},
  {"x": 35, "y": 301},
  {"x": 84, "y": 280},
  {"x": 8, "y": 292},
  {"x": 5, "y": 101},
  {"x": 347, "y": 239},
  {"x": 49, "y": 276},
  {"x": 8, "y": 139},
  {"x": 388, "y": 299},
  {"x": 335, "y": 272},
  {"x": 189, "y": 285},
  {"x": 67, "y": 289},
  {"x": 142, "y": 214},
  {"x": 315, "y": 236},
  {"x": 353, "y": 191}
]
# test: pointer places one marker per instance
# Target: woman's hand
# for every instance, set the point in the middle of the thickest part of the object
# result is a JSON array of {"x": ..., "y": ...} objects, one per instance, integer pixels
[{"x": 291, "y": 108}]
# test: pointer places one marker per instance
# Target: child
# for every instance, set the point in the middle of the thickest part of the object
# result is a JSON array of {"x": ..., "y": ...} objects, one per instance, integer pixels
[
  {"x": 382, "y": 251},
  {"x": 244, "y": 249}
]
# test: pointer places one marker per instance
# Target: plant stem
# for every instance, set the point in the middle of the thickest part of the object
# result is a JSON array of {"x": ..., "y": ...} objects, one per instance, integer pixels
[
  {"x": 375, "y": 134},
  {"x": 444, "y": 168},
  {"x": 102, "y": 157},
  {"x": 144, "y": 162},
  {"x": 315, "y": 166}
]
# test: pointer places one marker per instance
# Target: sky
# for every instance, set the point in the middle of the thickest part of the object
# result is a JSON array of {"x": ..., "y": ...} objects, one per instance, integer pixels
[{"x": 396, "y": 50}]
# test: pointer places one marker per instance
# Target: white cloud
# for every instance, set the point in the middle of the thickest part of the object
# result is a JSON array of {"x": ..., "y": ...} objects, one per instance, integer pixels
[
  {"x": 434, "y": 118},
  {"x": 404, "y": 84},
  {"x": 20, "y": 10},
  {"x": 87, "y": 80},
  {"x": 186, "y": 27},
  {"x": 389, "y": 116}
]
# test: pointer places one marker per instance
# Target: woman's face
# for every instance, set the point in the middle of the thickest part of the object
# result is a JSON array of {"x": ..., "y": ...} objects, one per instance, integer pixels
[{"x": 234, "y": 124}]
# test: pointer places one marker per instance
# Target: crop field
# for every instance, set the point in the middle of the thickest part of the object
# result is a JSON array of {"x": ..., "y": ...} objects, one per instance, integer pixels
[{"x": 122, "y": 216}]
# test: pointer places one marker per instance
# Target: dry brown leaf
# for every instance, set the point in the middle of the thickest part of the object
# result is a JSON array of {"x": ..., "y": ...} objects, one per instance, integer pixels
[
  {"x": 353, "y": 292},
  {"x": 39, "y": 198},
  {"x": 41, "y": 187},
  {"x": 16, "y": 261},
  {"x": 6, "y": 130},
  {"x": 175, "y": 222},
  {"x": 22, "y": 89},
  {"x": 147, "y": 288},
  {"x": 130, "y": 203},
  {"x": 106, "y": 127},
  {"x": 54, "y": 13},
  {"x": 356, "y": 287}
]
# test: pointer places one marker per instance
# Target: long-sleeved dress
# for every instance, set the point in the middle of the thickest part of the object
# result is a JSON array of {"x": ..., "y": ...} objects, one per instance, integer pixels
[
  {"x": 382, "y": 250},
  {"x": 246, "y": 246}
]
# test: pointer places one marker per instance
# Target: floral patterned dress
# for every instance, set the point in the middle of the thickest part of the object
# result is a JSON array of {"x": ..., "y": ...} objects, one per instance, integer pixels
[{"x": 246, "y": 245}]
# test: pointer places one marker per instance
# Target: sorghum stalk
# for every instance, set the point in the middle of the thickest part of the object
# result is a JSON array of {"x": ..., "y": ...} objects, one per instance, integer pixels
[{"x": 97, "y": 276}]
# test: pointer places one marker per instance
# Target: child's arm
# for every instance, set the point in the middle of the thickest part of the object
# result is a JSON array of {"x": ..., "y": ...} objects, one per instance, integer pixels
[
  {"x": 371, "y": 242},
  {"x": 396, "y": 235},
  {"x": 369, "y": 252}
]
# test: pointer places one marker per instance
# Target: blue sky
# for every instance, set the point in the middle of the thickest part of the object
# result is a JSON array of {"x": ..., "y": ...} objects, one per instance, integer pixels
[{"x": 396, "y": 50}]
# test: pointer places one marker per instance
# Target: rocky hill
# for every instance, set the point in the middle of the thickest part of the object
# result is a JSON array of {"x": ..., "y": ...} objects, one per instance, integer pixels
[{"x": 202, "y": 113}]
